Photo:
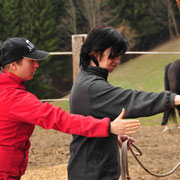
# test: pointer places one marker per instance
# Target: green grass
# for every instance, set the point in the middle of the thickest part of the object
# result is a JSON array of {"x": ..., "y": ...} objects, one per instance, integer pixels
[
  {"x": 145, "y": 72},
  {"x": 63, "y": 104}
]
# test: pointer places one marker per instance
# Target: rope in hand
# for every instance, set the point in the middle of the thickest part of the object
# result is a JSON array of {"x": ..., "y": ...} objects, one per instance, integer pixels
[{"x": 124, "y": 162}]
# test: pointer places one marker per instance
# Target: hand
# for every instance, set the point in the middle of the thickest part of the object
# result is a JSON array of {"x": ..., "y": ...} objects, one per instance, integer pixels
[
  {"x": 124, "y": 127},
  {"x": 122, "y": 138},
  {"x": 177, "y": 100}
]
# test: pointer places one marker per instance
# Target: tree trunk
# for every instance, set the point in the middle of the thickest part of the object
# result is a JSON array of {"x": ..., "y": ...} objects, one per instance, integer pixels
[{"x": 173, "y": 29}]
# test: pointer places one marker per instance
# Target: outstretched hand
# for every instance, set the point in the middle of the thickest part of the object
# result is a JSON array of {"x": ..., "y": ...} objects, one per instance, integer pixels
[{"x": 124, "y": 127}]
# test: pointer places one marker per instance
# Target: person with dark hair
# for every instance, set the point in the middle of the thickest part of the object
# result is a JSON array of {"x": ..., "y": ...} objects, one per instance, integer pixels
[
  {"x": 20, "y": 110},
  {"x": 92, "y": 94}
]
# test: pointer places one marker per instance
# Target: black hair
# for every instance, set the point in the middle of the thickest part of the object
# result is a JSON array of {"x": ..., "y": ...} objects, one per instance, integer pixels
[{"x": 98, "y": 40}]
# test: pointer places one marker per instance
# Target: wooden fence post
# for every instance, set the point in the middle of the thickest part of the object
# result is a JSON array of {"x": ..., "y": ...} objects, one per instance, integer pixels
[{"x": 77, "y": 41}]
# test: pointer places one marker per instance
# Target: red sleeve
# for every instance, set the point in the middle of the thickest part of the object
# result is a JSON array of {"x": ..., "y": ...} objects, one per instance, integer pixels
[{"x": 27, "y": 108}]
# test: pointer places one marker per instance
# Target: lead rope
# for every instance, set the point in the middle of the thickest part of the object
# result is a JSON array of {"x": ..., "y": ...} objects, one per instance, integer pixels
[{"x": 124, "y": 162}]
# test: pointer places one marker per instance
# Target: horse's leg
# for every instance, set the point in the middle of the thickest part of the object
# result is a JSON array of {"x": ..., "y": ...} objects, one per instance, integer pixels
[
  {"x": 167, "y": 87},
  {"x": 173, "y": 115},
  {"x": 178, "y": 109},
  {"x": 165, "y": 121},
  {"x": 174, "y": 84},
  {"x": 165, "y": 118},
  {"x": 169, "y": 114}
]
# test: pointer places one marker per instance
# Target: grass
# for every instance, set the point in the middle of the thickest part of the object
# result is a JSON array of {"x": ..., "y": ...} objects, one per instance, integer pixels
[
  {"x": 63, "y": 104},
  {"x": 145, "y": 72}
]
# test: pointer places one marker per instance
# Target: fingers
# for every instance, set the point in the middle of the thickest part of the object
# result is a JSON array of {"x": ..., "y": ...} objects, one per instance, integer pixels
[
  {"x": 131, "y": 125},
  {"x": 135, "y": 121},
  {"x": 124, "y": 127},
  {"x": 120, "y": 142},
  {"x": 122, "y": 114},
  {"x": 123, "y": 137},
  {"x": 129, "y": 144},
  {"x": 130, "y": 128},
  {"x": 130, "y": 132},
  {"x": 131, "y": 139}
]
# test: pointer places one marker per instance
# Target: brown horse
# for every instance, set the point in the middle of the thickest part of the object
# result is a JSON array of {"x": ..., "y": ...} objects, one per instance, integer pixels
[{"x": 172, "y": 83}]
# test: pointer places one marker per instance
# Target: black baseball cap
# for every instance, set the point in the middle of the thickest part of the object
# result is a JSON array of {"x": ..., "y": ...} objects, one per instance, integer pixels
[{"x": 17, "y": 48}]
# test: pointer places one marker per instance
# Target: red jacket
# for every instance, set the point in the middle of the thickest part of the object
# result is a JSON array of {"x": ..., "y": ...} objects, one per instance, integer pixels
[{"x": 20, "y": 111}]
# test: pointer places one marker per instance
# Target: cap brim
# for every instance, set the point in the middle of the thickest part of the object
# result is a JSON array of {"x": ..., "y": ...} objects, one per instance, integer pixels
[{"x": 38, "y": 55}]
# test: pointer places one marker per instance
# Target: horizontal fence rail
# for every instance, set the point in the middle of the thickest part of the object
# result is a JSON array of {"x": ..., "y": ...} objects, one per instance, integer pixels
[
  {"x": 53, "y": 100},
  {"x": 148, "y": 52},
  {"x": 128, "y": 52},
  {"x": 60, "y": 53}
]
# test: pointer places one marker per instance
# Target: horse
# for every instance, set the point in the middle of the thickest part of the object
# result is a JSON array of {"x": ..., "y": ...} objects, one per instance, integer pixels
[{"x": 172, "y": 83}]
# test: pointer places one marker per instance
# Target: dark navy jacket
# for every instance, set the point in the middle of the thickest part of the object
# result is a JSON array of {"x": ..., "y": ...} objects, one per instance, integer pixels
[{"x": 98, "y": 158}]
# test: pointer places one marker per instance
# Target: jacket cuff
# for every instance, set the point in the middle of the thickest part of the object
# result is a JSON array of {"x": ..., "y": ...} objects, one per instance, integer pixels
[
  {"x": 109, "y": 128},
  {"x": 171, "y": 98}
]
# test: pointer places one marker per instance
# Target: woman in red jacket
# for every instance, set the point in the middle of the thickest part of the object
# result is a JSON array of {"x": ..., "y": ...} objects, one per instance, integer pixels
[{"x": 20, "y": 110}]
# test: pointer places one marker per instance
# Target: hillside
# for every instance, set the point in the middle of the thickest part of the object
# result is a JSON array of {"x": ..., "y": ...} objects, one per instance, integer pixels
[{"x": 146, "y": 72}]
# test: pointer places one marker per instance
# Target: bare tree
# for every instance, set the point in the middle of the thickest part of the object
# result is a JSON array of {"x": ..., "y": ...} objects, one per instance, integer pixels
[
  {"x": 171, "y": 20},
  {"x": 72, "y": 15},
  {"x": 91, "y": 11},
  {"x": 162, "y": 12},
  {"x": 68, "y": 22}
]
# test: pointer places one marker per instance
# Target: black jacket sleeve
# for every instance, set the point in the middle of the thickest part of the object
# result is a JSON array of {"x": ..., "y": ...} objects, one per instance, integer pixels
[{"x": 106, "y": 100}]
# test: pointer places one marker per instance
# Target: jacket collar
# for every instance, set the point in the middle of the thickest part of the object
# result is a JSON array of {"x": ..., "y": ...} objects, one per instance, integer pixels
[
  {"x": 98, "y": 71},
  {"x": 10, "y": 80}
]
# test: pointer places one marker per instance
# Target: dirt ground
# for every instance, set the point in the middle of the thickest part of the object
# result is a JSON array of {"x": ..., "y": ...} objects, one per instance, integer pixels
[{"x": 50, "y": 152}]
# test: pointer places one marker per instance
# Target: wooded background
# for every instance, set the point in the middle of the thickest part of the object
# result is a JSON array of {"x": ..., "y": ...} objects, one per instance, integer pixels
[{"x": 49, "y": 25}]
